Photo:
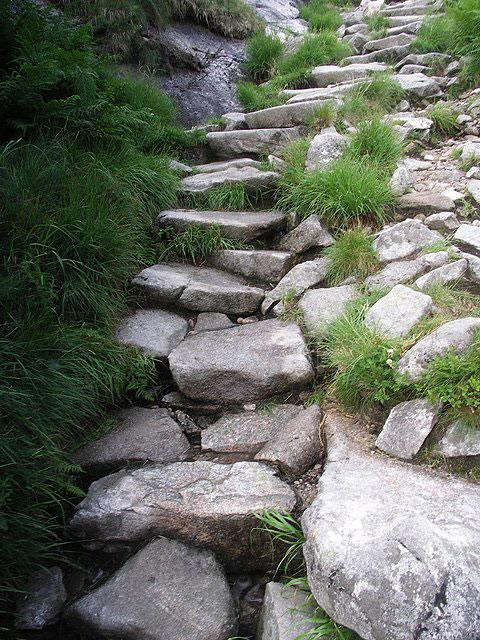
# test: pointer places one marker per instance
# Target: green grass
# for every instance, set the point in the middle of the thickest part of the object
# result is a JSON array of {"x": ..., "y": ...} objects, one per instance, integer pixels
[
  {"x": 348, "y": 193},
  {"x": 323, "y": 116},
  {"x": 295, "y": 155},
  {"x": 254, "y": 97},
  {"x": 263, "y": 54},
  {"x": 227, "y": 197},
  {"x": 435, "y": 34},
  {"x": 321, "y": 16},
  {"x": 376, "y": 143},
  {"x": 444, "y": 120},
  {"x": 351, "y": 255},
  {"x": 373, "y": 96},
  {"x": 316, "y": 49},
  {"x": 195, "y": 244},
  {"x": 377, "y": 25},
  {"x": 286, "y": 532}
]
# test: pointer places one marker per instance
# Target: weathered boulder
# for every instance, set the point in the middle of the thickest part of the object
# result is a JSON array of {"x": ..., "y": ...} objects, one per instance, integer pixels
[
  {"x": 399, "y": 272},
  {"x": 404, "y": 240},
  {"x": 391, "y": 548},
  {"x": 445, "y": 221},
  {"x": 44, "y": 598},
  {"x": 285, "y": 613},
  {"x": 443, "y": 275},
  {"x": 321, "y": 306},
  {"x": 251, "y": 177},
  {"x": 406, "y": 428},
  {"x": 470, "y": 150},
  {"x": 473, "y": 271},
  {"x": 154, "y": 331},
  {"x": 211, "y": 321},
  {"x": 331, "y": 74},
  {"x": 243, "y": 363},
  {"x": 299, "y": 279},
  {"x": 238, "y": 225},
  {"x": 459, "y": 441},
  {"x": 228, "y": 144},
  {"x": 473, "y": 188},
  {"x": 418, "y": 85},
  {"x": 392, "y": 54},
  {"x": 199, "y": 288},
  {"x": 335, "y": 92},
  {"x": 223, "y": 165},
  {"x": 400, "y": 40},
  {"x": 402, "y": 178},
  {"x": 467, "y": 238},
  {"x": 203, "y": 503},
  {"x": 267, "y": 266},
  {"x": 425, "y": 202},
  {"x": 324, "y": 149},
  {"x": 408, "y": 125},
  {"x": 143, "y": 435},
  {"x": 308, "y": 234},
  {"x": 455, "y": 336},
  {"x": 414, "y": 68},
  {"x": 166, "y": 591},
  {"x": 280, "y": 17},
  {"x": 249, "y": 431},
  {"x": 427, "y": 59},
  {"x": 398, "y": 312},
  {"x": 296, "y": 447}
]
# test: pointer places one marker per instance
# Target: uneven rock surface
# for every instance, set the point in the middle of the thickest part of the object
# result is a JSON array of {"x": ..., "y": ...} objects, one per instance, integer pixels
[
  {"x": 251, "y": 177},
  {"x": 266, "y": 266},
  {"x": 43, "y": 601},
  {"x": 285, "y": 613},
  {"x": 324, "y": 149},
  {"x": 459, "y": 441},
  {"x": 321, "y": 306},
  {"x": 311, "y": 233},
  {"x": 383, "y": 536},
  {"x": 201, "y": 503},
  {"x": 159, "y": 594},
  {"x": 229, "y": 144},
  {"x": 154, "y": 331},
  {"x": 404, "y": 240}
]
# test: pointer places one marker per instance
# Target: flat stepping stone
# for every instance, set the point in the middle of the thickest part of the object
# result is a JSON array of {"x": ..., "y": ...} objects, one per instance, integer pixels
[
  {"x": 153, "y": 331},
  {"x": 399, "y": 40},
  {"x": 199, "y": 288},
  {"x": 459, "y": 441},
  {"x": 455, "y": 337},
  {"x": 326, "y": 75},
  {"x": 404, "y": 538},
  {"x": 404, "y": 240},
  {"x": 427, "y": 59},
  {"x": 401, "y": 21},
  {"x": 229, "y": 144},
  {"x": 445, "y": 221},
  {"x": 212, "y": 321},
  {"x": 200, "y": 503},
  {"x": 143, "y": 435},
  {"x": 418, "y": 85},
  {"x": 443, "y": 275},
  {"x": 266, "y": 266},
  {"x": 296, "y": 281},
  {"x": 384, "y": 55},
  {"x": 398, "y": 312},
  {"x": 320, "y": 307},
  {"x": 286, "y": 614},
  {"x": 404, "y": 271},
  {"x": 467, "y": 238},
  {"x": 426, "y": 202},
  {"x": 237, "y": 225},
  {"x": 328, "y": 93},
  {"x": 407, "y": 427},
  {"x": 251, "y": 177},
  {"x": 160, "y": 594},
  {"x": 310, "y": 233},
  {"x": 236, "y": 163},
  {"x": 285, "y": 115},
  {"x": 242, "y": 364},
  {"x": 249, "y": 431}
]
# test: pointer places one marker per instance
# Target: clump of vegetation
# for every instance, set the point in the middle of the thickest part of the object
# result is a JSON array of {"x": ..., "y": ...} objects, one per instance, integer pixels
[
  {"x": 435, "y": 34},
  {"x": 315, "y": 49},
  {"x": 348, "y": 193},
  {"x": 196, "y": 244},
  {"x": 377, "y": 143},
  {"x": 323, "y": 116},
  {"x": 377, "y": 25},
  {"x": 376, "y": 95},
  {"x": 295, "y": 155},
  {"x": 351, "y": 255},
  {"x": 254, "y": 97},
  {"x": 226, "y": 197},
  {"x": 444, "y": 119},
  {"x": 263, "y": 54},
  {"x": 321, "y": 16}
]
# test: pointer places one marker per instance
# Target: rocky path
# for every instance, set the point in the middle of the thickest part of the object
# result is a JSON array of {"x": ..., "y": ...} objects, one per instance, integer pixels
[{"x": 391, "y": 547}]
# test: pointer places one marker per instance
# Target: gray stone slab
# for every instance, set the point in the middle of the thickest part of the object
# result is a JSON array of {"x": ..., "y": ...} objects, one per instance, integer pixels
[
  {"x": 267, "y": 266},
  {"x": 404, "y": 271},
  {"x": 285, "y": 115},
  {"x": 443, "y": 275},
  {"x": 331, "y": 74},
  {"x": 153, "y": 331},
  {"x": 425, "y": 202},
  {"x": 404, "y": 240},
  {"x": 400, "y": 40},
  {"x": 459, "y": 441},
  {"x": 43, "y": 601},
  {"x": 310, "y": 233},
  {"x": 211, "y": 321},
  {"x": 445, "y": 221},
  {"x": 467, "y": 238},
  {"x": 285, "y": 613},
  {"x": 236, "y": 163},
  {"x": 229, "y": 144},
  {"x": 322, "y": 306},
  {"x": 250, "y": 177},
  {"x": 398, "y": 312}
]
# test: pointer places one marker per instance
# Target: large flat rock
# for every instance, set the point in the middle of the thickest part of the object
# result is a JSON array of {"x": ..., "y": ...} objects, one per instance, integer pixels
[
  {"x": 443, "y": 275},
  {"x": 398, "y": 311},
  {"x": 243, "y": 363},
  {"x": 143, "y": 435},
  {"x": 223, "y": 165},
  {"x": 285, "y": 115},
  {"x": 322, "y": 306},
  {"x": 251, "y": 177},
  {"x": 160, "y": 594},
  {"x": 426, "y": 202},
  {"x": 392, "y": 549},
  {"x": 399, "y": 272},
  {"x": 199, "y": 288},
  {"x": 404, "y": 240},
  {"x": 331, "y": 74},
  {"x": 238, "y": 225},
  {"x": 202, "y": 503},
  {"x": 266, "y": 266},
  {"x": 153, "y": 331},
  {"x": 399, "y": 40},
  {"x": 229, "y": 144}
]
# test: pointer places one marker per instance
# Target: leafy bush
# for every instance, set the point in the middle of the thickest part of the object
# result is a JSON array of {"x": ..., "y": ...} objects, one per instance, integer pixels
[
  {"x": 444, "y": 119},
  {"x": 321, "y": 16},
  {"x": 349, "y": 192},
  {"x": 377, "y": 143},
  {"x": 351, "y": 255},
  {"x": 263, "y": 54}
]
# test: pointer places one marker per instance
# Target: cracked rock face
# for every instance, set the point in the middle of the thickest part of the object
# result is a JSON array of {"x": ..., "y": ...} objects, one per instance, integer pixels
[
  {"x": 202, "y": 503},
  {"x": 391, "y": 549}
]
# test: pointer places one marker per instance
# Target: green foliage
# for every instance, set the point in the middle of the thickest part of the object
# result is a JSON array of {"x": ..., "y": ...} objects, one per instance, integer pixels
[
  {"x": 254, "y": 97},
  {"x": 377, "y": 143},
  {"x": 295, "y": 156},
  {"x": 227, "y": 197},
  {"x": 377, "y": 25},
  {"x": 435, "y": 34},
  {"x": 351, "y": 255},
  {"x": 349, "y": 192},
  {"x": 444, "y": 119},
  {"x": 323, "y": 116},
  {"x": 380, "y": 90},
  {"x": 263, "y": 54},
  {"x": 285, "y": 531},
  {"x": 195, "y": 244},
  {"x": 465, "y": 15},
  {"x": 315, "y": 49},
  {"x": 321, "y": 16}
]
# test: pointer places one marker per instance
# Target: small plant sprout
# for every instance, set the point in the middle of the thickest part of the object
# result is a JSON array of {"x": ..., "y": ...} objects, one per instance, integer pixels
[{"x": 285, "y": 531}]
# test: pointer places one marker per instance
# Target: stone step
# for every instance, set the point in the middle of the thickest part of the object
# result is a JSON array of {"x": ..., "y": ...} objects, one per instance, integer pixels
[
  {"x": 154, "y": 331},
  {"x": 285, "y": 115},
  {"x": 242, "y": 364},
  {"x": 251, "y": 177},
  {"x": 392, "y": 54},
  {"x": 411, "y": 10},
  {"x": 237, "y": 225},
  {"x": 200, "y": 503},
  {"x": 335, "y": 92},
  {"x": 410, "y": 27},
  {"x": 326, "y": 75},
  {"x": 199, "y": 288},
  {"x": 263, "y": 266},
  {"x": 399, "y": 40},
  {"x": 230, "y": 144},
  {"x": 236, "y": 163}
]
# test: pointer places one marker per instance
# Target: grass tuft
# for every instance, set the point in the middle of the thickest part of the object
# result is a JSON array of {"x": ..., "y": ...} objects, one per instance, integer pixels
[
  {"x": 285, "y": 531},
  {"x": 351, "y": 255},
  {"x": 227, "y": 197},
  {"x": 254, "y": 97},
  {"x": 444, "y": 120},
  {"x": 377, "y": 143},
  {"x": 321, "y": 16},
  {"x": 195, "y": 244},
  {"x": 263, "y": 54}
]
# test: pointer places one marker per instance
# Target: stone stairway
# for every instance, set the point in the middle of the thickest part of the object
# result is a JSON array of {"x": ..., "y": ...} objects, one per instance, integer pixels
[{"x": 188, "y": 496}]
